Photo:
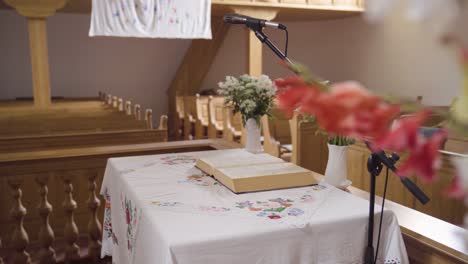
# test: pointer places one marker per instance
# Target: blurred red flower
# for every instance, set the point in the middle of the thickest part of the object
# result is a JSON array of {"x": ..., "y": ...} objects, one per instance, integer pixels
[
  {"x": 404, "y": 133},
  {"x": 348, "y": 109},
  {"x": 293, "y": 93},
  {"x": 424, "y": 158},
  {"x": 456, "y": 190}
]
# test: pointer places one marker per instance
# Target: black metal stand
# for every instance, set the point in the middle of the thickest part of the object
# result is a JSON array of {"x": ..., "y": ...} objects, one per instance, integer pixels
[{"x": 375, "y": 164}]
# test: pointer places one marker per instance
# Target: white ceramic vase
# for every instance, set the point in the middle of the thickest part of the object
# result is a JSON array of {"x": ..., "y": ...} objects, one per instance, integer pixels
[
  {"x": 253, "y": 143},
  {"x": 336, "y": 172}
]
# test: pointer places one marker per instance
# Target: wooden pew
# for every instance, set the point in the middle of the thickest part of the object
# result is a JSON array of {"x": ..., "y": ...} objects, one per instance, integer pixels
[
  {"x": 180, "y": 113},
  {"x": 57, "y": 124},
  {"x": 80, "y": 139},
  {"x": 216, "y": 116},
  {"x": 277, "y": 135},
  {"x": 202, "y": 116},
  {"x": 309, "y": 149},
  {"x": 190, "y": 117},
  {"x": 232, "y": 125},
  {"x": 440, "y": 205}
]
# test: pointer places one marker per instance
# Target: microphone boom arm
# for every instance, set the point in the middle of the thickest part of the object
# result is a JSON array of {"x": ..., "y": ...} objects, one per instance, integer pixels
[{"x": 264, "y": 39}]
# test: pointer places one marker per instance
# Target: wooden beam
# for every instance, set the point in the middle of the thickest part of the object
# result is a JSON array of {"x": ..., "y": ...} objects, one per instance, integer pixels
[
  {"x": 290, "y": 10},
  {"x": 254, "y": 46},
  {"x": 39, "y": 61},
  {"x": 194, "y": 67},
  {"x": 37, "y": 12}
]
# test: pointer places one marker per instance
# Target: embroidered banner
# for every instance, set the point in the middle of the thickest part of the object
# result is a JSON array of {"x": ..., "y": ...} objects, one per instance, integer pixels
[{"x": 151, "y": 18}]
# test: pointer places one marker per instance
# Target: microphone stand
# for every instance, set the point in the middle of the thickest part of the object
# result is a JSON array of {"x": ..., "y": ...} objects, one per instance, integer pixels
[
  {"x": 375, "y": 165},
  {"x": 257, "y": 29}
]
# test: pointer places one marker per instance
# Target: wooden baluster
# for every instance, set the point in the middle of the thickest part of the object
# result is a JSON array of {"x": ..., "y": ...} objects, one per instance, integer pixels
[
  {"x": 149, "y": 118},
  {"x": 94, "y": 226},
  {"x": 20, "y": 239},
  {"x": 70, "y": 230},
  {"x": 120, "y": 104},
  {"x": 1, "y": 259},
  {"x": 46, "y": 234},
  {"x": 128, "y": 108},
  {"x": 163, "y": 122},
  {"x": 137, "y": 112},
  {"x": 115, "y": 101}
]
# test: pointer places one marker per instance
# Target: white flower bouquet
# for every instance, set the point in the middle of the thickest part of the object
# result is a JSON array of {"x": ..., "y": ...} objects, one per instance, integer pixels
[{"x": 252, "y": 96}]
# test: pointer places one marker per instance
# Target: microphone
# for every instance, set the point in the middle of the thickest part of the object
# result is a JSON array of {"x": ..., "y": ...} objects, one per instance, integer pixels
[{"x": 250, "y": 22}]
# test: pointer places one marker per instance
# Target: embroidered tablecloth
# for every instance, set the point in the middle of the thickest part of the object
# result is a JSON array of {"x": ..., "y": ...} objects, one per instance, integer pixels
[{"x": 161, "y": 209}]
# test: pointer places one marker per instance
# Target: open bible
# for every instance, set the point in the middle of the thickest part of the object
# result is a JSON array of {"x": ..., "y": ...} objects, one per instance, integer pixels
[{"x": 242, "y": 171}]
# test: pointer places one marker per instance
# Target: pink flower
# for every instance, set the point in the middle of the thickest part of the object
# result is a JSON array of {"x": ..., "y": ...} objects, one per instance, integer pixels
[
  {"x": 293, "y": 93},
  {"x": 456, "y": 190},
  {"x": 404, "y": 133},
  {"x": 424, "y": 158},
  {"x": 348, "y": 109}
]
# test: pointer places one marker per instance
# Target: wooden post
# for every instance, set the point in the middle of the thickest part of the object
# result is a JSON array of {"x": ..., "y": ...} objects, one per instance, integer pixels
[
  {"x": 137, "y": 112},
  {"x": 70, "y": 229},
  {"x": 120, "y": 105},
  {"x": 128, "y": 108},
  {"x": 163, "y": 122},
  {"x": 39, "y": 61},
  {"x": 37, "y": 12},
  {"x": 254, "y": 46},
  {"x": 254, "y": 54},
  {"x": 94, "y": 226},
  {"x": 46, "y": 234},
  {"x": 1, "y": 259},
  {"x": 20, "y": 239},
  {"x": 109, "y": 99},
  {"x": 149, "y": 118},
  {"x": 115, "y": 102}
]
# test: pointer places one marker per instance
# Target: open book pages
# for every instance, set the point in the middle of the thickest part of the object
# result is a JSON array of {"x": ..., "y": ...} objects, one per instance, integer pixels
[
  {"x": 242, "y": 171},
  {"x": 233, "y": 158}
]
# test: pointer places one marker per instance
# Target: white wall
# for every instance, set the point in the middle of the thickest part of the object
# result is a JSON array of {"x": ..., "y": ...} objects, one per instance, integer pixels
[
  {"x": 397, "y": 57},
  {"x": 136, "y": 69}
]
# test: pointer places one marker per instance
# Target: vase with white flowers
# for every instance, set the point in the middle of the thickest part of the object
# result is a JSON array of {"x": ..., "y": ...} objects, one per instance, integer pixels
[{"x": 253, "y": 97}]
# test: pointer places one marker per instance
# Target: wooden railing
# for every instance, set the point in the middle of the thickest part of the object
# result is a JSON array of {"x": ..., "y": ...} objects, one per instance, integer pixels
[
  {"x": 120, "y": 105},
  {"x": 51, "y": 227}
]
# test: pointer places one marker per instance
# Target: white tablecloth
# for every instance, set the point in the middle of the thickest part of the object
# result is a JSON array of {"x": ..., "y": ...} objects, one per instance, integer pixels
[{"x": 161, "y": 209}]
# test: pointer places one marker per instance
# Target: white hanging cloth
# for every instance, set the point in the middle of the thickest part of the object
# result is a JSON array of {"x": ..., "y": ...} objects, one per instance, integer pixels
[{"x": 188, "y": 19}]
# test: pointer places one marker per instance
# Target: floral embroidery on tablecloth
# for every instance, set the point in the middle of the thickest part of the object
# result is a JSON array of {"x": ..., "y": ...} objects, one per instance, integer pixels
[
  {"x": 178, "y": 159},
  {"x": 273, "y": 208},
  {"x": 201, "y": 180},
  {"x": 131, "y": 221},
  {"x": 214, "y": 209},
  {"x": 107, "y": 224},
  {"x": 192, "y": 208},
  {"x": 165, "y": 204}
]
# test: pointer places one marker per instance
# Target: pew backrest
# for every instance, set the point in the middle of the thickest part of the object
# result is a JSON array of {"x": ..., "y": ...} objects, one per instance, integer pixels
[
  {"x": 202, "y": 114},
  {"x": 215, "y": 106}
]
